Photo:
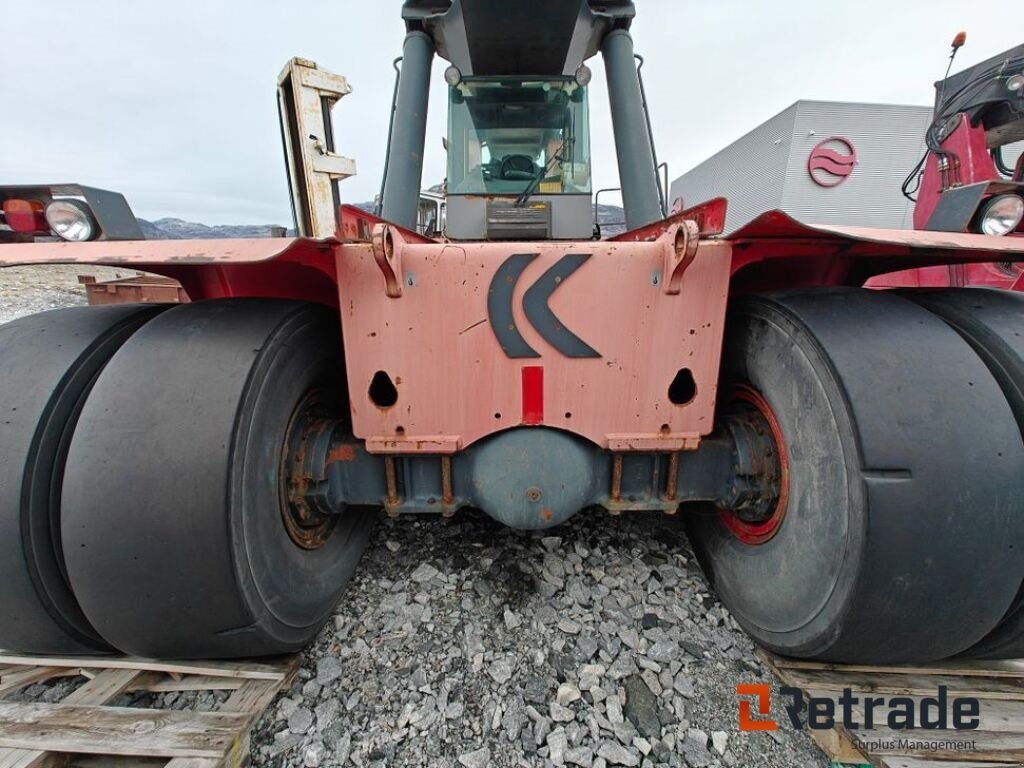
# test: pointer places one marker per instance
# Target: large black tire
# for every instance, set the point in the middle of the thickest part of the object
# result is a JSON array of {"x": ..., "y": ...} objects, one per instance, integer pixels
[
  {"x": 992, "y": 322},
  {"x": 173, "y": 496},
  {"x": 48, "y": 362},
  {"x": 905, "y": 474}
]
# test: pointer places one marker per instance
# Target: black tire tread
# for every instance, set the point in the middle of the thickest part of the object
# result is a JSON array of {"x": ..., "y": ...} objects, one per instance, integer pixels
[
  {"x": 925, "y": 550},
  {"x": 992, "y": 322},
  {"x": 165, "y": 561},
  {"x": 48, "y": 363}
]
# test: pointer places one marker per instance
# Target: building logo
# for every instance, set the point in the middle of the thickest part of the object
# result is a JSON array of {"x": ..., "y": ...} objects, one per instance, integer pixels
[{"x": 831, "y": 161}]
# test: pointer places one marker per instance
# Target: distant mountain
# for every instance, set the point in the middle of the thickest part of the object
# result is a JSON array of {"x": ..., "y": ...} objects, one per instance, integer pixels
[
  {"x": 610, "y": 217},
  {"x": 152, "y": 232},
  {"x": 179, "y": 229}
]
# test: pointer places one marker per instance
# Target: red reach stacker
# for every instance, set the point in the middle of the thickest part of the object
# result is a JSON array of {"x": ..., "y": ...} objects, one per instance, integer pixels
[{"x": 200, "y": 480}]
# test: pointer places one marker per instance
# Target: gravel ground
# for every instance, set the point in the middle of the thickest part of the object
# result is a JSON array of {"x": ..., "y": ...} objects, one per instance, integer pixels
[
  {"x": 463, "y": 644},
  {"x": 24, "y": 290}
]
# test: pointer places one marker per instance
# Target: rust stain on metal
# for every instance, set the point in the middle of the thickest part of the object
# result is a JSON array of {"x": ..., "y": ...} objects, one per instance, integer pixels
[
  {"x": 390, "y": 477},
  {"x": 447, "y": 495},
  {"x": 308, "y": 527},
  {"x": 673, "y": 477},
  {"x": 617, "y": 478},
  {"x": 343, "y": 452}
]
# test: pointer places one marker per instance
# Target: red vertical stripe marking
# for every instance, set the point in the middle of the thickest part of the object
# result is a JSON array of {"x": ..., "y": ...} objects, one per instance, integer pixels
[{"x": 533, "y": 395}]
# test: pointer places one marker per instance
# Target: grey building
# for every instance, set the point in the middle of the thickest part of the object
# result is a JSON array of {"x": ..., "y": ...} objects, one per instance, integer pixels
[{"x": 822, "y": 162}]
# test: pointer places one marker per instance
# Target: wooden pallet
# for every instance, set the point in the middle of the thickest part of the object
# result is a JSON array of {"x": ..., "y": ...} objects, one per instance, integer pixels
[
  {"x": 999, "y": 686},
  {"x": 141, "y": 289},
  {"x": 84, "y": 730}
]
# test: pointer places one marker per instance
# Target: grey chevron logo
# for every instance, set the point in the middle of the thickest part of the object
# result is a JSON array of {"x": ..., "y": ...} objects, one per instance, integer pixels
[{"x": 535, "y": 307}]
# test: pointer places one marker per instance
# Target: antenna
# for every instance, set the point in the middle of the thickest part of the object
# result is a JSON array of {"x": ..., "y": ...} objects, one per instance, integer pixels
[
  {"x": 958, "y": 42},
  {"x": 931, "y": 138}
]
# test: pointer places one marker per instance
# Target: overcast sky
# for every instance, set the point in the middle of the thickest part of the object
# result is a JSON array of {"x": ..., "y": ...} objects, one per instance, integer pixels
[{"x": 173, "y": 103}]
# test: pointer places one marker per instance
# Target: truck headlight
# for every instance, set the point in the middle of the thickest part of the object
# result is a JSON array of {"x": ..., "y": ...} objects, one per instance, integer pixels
[
  {"x": 71, "y": 220},
  {"x": 1000, "y": 215}
]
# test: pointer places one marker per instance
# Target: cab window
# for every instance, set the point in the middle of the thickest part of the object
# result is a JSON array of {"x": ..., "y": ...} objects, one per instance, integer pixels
[{"x": 507, "y": 136}]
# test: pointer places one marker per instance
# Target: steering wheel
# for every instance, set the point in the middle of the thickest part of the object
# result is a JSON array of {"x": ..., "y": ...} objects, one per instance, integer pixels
[{"x": 517, "y": 168}]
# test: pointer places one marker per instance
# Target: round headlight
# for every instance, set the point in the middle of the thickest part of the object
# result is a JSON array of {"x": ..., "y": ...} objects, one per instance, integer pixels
[
  {"x": 1000, "y": 215},
  {"x": 1015, "y": 83},
  {"x": 71, "y": 220},
  {"x": 583, "y": 75},
  {"x": 452, "y": 76}
]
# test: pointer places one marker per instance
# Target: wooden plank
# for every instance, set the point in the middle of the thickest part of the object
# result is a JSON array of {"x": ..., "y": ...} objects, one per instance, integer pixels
[
  {"x": 1012, "y": 668},
  {"x": 104, "y": 687},
  {"x": 108, "y": 761},
  {"x": 999, "y": 687},
  {"x": 38, "y": 759},
  {"x": 157, "y": 683},
  {"x": 840, "y": 748},
  {"x": 915, "y": 762},
  {"x": 108, "y": 737},
  {"x": 244, "y": 670},
  {"x": 252, "y": 699},
  {"x": 206, "y": 762},
  {"x": 906, "y": 684},
  {"x": 161, "y": 684},
  {"x": 118, "y": 730}
]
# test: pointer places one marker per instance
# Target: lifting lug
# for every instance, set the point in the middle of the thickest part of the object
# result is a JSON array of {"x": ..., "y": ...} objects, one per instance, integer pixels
[
  {"x": 680, "y": 251},
  {"x": 386, "y": 244}
]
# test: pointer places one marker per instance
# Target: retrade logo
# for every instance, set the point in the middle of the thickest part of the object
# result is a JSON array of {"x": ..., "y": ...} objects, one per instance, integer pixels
[
  {"x": 898, "y": 713},
  {"x": 831, "y": 161},
  {"x": 763, "y": 694}
]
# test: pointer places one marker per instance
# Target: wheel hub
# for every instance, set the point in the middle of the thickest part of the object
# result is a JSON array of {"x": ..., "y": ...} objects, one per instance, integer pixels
[
  {"x": 308, "y": 508},
  {"x": 760, "y": 487}
]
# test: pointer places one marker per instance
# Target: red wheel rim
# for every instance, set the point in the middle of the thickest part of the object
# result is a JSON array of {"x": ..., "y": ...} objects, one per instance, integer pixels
[{"x": 763, "y": 531}]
